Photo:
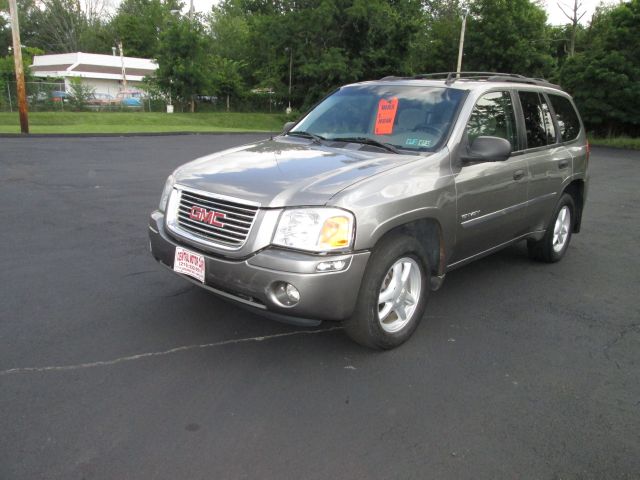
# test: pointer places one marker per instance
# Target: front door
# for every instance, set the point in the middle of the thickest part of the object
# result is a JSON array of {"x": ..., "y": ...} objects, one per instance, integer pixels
[{"x": 491, "y": 196}]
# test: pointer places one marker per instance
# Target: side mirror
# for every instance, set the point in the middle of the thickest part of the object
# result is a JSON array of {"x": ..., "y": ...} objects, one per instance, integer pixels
[
  {"x": 487, "y": 149},
  {"x": 288, "y": 126}
]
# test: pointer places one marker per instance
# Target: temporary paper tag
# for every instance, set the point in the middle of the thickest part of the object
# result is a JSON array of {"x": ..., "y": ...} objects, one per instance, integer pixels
[{"x": 386, "y": 115}]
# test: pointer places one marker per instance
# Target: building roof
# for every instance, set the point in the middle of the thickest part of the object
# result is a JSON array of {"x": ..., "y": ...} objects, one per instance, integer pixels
[{"x": 92, "y": 65}]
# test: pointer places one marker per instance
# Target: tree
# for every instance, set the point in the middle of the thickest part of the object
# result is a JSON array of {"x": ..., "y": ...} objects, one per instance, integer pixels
[
  {"x": 7, "y": 65},
  {"x": 604, "y": 76},
  {"x": 8, "y": 73},
  {"x": 575, "y": 18},
  {"x": 226, "y": 80},
  {"x": 5, "y": 29},
  {"x": 507, "y": 36},
  {"x": 79, "y": 94},
  {"x": 139, "y": 23},
  {"x": 25, "y": 13},
  {"x": 184, "y": 60},
  {"x": 436, "y": 47},
  {"x": 61, "y": 26},
  {"x": 231, "y": 33},
  {"x": 332, "y": 41}
]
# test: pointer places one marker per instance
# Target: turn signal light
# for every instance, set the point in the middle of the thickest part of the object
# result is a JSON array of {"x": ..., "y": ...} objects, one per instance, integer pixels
[{"x": 335, "y": 233}]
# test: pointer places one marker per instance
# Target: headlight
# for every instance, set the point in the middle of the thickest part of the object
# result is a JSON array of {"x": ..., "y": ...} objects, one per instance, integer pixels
[
  {"x": 168, "y": 186},
  {"x": 315, "y": 229}
]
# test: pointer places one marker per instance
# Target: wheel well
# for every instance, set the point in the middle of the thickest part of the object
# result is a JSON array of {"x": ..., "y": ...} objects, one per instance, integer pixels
[
  {"x": 429, "y": 234},
  {"x": 576, "y": 190}
]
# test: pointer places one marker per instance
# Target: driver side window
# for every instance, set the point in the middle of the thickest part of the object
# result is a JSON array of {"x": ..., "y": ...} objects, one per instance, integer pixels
[{"x": 493, "y": 116}]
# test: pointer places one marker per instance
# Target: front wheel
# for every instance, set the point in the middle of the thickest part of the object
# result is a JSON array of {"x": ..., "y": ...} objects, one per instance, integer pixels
[
  {"x": 393, "y": 294},
  {"x": 556, "y": 240}
]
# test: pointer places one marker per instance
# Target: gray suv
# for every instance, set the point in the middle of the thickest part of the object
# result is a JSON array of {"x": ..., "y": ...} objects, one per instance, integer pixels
[{"x": 357, "y": 211}]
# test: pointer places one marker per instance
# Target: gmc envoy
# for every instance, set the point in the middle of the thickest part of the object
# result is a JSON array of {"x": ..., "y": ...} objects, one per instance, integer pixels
[{"x": 357, "y": 211}]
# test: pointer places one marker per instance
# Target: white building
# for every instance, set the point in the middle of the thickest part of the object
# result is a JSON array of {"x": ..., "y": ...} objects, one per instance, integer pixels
[{"x": 104, "y": 73}]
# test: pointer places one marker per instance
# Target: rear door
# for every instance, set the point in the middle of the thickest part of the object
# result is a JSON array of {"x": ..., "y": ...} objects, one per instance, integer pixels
[
  {"x": 570, "y": 130},
  {"x": 549, "y": 161},
  {"x": 491, "y": 196}
]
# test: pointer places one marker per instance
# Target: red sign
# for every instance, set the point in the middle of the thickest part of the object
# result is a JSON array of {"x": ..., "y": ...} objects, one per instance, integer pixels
[
  {"x": 206, "y": 216},
  {"x": 386, "y": 116}
]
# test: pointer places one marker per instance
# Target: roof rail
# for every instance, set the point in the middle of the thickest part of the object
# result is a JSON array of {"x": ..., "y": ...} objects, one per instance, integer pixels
[
  {"x": 533, "y": 81},
  {"x": 451, "y": 77},
  {"x": 394, "y": 77}
]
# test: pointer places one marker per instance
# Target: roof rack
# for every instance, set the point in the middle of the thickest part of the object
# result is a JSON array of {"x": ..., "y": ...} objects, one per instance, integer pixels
[{"x": 451, "y": 77}]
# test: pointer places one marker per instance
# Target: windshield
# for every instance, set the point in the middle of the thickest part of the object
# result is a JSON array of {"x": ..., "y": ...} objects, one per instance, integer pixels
[{"x": 401, "y": 116}]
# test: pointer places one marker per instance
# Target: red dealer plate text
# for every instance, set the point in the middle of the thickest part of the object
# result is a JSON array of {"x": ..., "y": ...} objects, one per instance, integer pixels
[{"x": 189, "y": 263}]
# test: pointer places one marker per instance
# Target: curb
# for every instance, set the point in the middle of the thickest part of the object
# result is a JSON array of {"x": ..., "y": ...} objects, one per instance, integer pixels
[
  {"x": 139, "y": 134},
  {"x": 611, "y": 147}
]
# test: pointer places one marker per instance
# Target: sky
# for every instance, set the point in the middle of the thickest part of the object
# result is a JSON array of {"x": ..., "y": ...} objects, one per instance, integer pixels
[{"x": 556, "y": 17}]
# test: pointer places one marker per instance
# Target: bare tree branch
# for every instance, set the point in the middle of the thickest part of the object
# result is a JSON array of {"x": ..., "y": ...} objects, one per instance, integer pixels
[
  {"x": 570, "y": 17},
  {"x": 575, "y": 19}
]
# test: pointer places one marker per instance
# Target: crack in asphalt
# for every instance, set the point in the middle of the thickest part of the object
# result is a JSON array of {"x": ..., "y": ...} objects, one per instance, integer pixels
[
  {"x": 624, "y": 331},
  {"x": 129, "y": 358}
]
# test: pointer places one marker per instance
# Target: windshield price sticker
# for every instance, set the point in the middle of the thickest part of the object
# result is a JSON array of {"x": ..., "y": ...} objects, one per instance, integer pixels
[
  {"x": 386, "y": 116},
  {"x": 189, "y": 263}
]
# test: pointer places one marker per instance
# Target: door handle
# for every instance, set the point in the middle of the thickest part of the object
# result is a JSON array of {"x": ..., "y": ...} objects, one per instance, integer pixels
[
  {"x": 563, "y": 164},
  {"x": 518, "y": 174}
]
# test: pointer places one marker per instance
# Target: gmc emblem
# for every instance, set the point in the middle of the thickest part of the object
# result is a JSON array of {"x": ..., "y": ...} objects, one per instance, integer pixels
[{"x": 206, "y": 216}]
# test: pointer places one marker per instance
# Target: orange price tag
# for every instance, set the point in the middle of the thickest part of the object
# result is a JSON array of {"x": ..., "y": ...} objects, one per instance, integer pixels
[{"x": 386, "y": 116}]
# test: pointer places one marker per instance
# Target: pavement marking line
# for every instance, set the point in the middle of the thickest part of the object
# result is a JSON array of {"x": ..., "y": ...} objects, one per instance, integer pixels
[{"x": 129, "y": 358}]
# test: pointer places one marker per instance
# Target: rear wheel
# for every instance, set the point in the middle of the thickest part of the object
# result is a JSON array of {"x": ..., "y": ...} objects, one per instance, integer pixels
[
  {"x": 393, "y": 294},
  {"x": 556, "y": 240}
]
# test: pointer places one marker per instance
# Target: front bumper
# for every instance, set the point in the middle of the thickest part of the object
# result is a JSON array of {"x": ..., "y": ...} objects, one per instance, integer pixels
[{"x": 248, "y": 281}]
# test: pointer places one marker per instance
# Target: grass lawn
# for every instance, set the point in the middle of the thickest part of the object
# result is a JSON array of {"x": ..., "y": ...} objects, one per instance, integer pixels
[
  {"x": 617, "y": 142},
  {"x": 139, "y": 122}
]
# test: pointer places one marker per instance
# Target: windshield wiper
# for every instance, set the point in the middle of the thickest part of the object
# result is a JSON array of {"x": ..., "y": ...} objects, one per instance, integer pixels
[
  {"x": 368, "y": 141},
  {"x": 316, "y": 138}
]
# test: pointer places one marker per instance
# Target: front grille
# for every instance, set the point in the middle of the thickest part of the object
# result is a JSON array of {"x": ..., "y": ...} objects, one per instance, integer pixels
[{"x": 236, "y": 224}]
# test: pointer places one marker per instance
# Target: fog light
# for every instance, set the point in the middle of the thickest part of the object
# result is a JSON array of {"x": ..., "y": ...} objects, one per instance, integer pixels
[
  {"x": 332, "y": 266},
  {"x": 285, "y": 294},
  {"x": 292, "y": 293}
]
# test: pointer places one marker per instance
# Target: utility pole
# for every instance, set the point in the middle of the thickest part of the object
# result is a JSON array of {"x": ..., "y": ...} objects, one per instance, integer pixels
[
  {"x": 461, "y": 46},
  {"x": 290, "y": 72},
  {"x": 124, "y": 71},
  {"x": 190, "y": 11},
  {"x": 17, "y": 58}
]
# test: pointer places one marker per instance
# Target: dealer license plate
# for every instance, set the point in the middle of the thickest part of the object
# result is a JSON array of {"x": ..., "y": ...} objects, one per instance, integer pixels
[{"x": 189, "y": 263}]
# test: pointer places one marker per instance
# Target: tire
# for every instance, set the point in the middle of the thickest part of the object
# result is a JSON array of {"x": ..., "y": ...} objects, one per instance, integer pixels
[
  {"x": 556, "y": 240},
  {"x": 394, "y": 259}
]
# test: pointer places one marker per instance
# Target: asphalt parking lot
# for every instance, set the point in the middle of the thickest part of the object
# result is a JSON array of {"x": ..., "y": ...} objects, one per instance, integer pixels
[{"x": 113, "y": 368}]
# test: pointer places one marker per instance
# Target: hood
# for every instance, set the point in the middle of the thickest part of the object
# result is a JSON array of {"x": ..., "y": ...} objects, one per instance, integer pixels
[{"x": 285, "y": 171}]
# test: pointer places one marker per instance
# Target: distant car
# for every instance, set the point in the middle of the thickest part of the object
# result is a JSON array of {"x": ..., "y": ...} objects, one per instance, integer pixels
[
  {"x": 38, "y": 97},
  {"x": 206, "y": 98},
  {"x": 59, "y": 96},
  {"x": 98, "y": 100},
  {"x": 130, "y": 98}
]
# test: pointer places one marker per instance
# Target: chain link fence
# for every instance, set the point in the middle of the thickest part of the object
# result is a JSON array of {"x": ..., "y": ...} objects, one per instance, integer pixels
[
  {"x": 41, "y": 96},
  {"x": 53, "y": 97}
]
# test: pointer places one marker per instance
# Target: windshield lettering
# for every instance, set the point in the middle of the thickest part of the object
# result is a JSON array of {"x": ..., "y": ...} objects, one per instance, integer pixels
[{"x": 386, "y": 115}]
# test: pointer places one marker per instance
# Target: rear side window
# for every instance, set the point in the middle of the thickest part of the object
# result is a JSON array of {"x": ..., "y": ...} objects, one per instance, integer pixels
[
  {"x": 537, "y": 120},
  {"x": 566, "y": 116},
  {"x": 493, "y": 116}
]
